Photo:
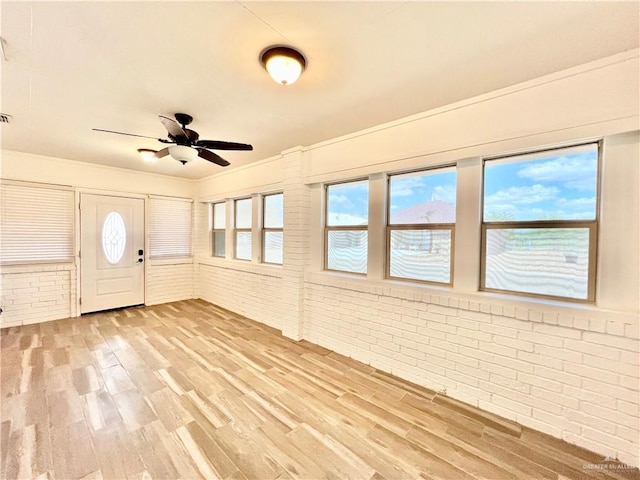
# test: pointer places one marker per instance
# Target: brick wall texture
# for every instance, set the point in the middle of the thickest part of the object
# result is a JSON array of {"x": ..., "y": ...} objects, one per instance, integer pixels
[{"x": 574, "y": 376}]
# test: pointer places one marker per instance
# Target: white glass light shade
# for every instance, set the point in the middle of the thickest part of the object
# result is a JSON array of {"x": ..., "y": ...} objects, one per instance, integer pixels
[
  {"x": 284, "y": 64},
  {"x": 183, "y": 154},
  {"x": 284, "y": 70}
]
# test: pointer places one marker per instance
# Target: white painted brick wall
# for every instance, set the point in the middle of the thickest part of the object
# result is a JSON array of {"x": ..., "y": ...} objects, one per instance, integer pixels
[
  {"x": 43, "y": 292},
  {"x": 201, "y": 214},
  {"x": 169, "y": 282},
  {"x": 37, "y": 293},
  {"x": 574, "y": 376},
  {"x": 249, "y": 290},
  {"x": 297, "y": 211}
]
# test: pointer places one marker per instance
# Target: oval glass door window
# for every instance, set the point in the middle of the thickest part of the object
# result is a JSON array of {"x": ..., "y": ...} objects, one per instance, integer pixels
[{"x": 114, "y": 237}]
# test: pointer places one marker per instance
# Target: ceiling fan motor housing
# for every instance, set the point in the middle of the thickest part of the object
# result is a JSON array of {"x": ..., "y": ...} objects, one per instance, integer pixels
[{"x": 183, "y": 119}]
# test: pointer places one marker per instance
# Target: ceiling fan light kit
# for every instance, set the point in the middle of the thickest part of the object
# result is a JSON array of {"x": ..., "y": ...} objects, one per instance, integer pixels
[
  {"x": 148, "y": 155},
  {"x": 183, "y": 154},
  {"x": 186, "y": 144},
  {"x": 284, "y": 64}
]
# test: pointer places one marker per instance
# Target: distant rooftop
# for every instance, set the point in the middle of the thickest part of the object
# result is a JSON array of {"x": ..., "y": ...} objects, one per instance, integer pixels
[{"x": 426, "y": 212}]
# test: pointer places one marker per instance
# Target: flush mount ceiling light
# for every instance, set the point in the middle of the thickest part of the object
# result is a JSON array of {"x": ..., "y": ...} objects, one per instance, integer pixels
[
  {"x": 147, "y": 154},
  {"x": 284, "y": 64}
]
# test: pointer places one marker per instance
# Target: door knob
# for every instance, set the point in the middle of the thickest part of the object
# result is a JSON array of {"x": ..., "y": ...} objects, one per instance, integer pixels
[{"x": 140, "y": 260}]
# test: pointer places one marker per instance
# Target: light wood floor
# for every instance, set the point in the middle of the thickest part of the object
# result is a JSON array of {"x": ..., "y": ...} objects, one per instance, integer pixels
[{"x": 188, "y": 390}]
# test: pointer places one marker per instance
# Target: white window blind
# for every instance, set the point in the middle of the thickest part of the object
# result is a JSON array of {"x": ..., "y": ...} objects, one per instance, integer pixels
[
  {"x": 170, "y": 227},
  {"x": 37, "y": 224}
]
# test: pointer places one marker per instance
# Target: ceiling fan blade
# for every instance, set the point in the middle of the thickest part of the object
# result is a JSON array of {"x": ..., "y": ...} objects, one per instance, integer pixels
[
  {"x": 122, "y": 133},
  {"x": 212, "y": 157},
  {"x": 174, "y": 129},
  {"x": 162, "y": 153},
  {"x": 220, "y": 145}
]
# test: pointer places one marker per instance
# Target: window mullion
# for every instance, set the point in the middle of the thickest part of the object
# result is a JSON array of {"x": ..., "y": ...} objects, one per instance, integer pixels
[
  {"x": 468, "y": 236},
  {"x": 256, "y": 226},
  {"x": 229, "y": 234},
  {"x": 376, "y": 259}
]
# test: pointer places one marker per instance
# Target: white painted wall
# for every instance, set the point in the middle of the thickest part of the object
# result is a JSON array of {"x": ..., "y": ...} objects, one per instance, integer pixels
[
  {"x": 567, "y": 369},
  {"x": 263, "y": 176},
  {"x": 86, "y": 176},
  {"x": 40, "y": 292},
  {"x": 592, "y": 100}
]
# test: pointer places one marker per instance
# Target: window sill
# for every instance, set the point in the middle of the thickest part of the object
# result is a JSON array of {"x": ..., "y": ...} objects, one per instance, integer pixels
[
  {"x": 31, "y": 267},
  {"x": 391, "y": 287},
  {"x": 68, "y": 261},
  {"x": 267, "y": 269},
  {"x": 524, "y": 307},
  {"x": 170, "y": 261}
]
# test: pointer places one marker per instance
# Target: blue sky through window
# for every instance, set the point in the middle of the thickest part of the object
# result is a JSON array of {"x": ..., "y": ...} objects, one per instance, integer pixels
[
  {"x": 554, "y": 185},
  {"x": 411, "y": 189},
  {"x": 348, "y": 204},
  {"x": 557, "y": 185},
  {"x": 274, "y": 211}
]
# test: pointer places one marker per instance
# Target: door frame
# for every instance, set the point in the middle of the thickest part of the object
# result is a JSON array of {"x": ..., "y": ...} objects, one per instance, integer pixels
[{"x": 77, "y": 239}]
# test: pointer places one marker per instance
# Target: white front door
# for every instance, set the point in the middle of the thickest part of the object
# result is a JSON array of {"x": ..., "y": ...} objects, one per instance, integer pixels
[{"x": 111, "y": 252}]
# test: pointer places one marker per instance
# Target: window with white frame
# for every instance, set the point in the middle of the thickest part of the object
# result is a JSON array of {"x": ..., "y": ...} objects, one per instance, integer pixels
[
  {"x": 346, "y": 226},
  {"x": 170, "y": 221},
  {"x": 218, "y": 222},
  {"x": 420, "y": 227},
  {"x": 540, "y": 224},
  {"x": 242, "y": 232},
  {"x": 272, "y": 233},
  {"x": 37, "y": 223}
]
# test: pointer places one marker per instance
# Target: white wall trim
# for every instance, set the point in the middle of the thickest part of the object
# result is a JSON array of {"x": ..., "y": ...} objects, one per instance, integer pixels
[{"x": 550, "y": 78}]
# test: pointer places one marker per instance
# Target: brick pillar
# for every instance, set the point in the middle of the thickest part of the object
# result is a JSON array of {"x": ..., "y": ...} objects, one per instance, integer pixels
[{"x": 297, "y": 209}]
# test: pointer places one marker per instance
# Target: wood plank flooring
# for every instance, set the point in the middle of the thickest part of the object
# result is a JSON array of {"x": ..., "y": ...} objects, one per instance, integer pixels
[{"x": 188, "y": 390}]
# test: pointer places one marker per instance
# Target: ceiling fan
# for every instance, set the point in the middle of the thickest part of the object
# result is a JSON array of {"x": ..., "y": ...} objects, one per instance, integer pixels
[{"x": 187, "y": 144}]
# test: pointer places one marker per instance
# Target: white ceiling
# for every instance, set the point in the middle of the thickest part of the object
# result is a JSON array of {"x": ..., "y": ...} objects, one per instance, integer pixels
[{"x": 74, "y": 66}]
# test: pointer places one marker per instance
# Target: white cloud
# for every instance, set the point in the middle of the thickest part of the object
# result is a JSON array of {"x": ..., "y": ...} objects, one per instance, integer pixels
[
  {"x": 401, "y": 192},
  {"x": 577, "y": 172},
  {"x": 446, "y": 193},
  {"x": 576, "y": 203},
  {"x": 404, "y": 187},
  {"x": 522, "y": 195},
  {"x": 341, "y": 201},
  {"x": 562, "y": 208},
  {"x": 576, "y": 208}
]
